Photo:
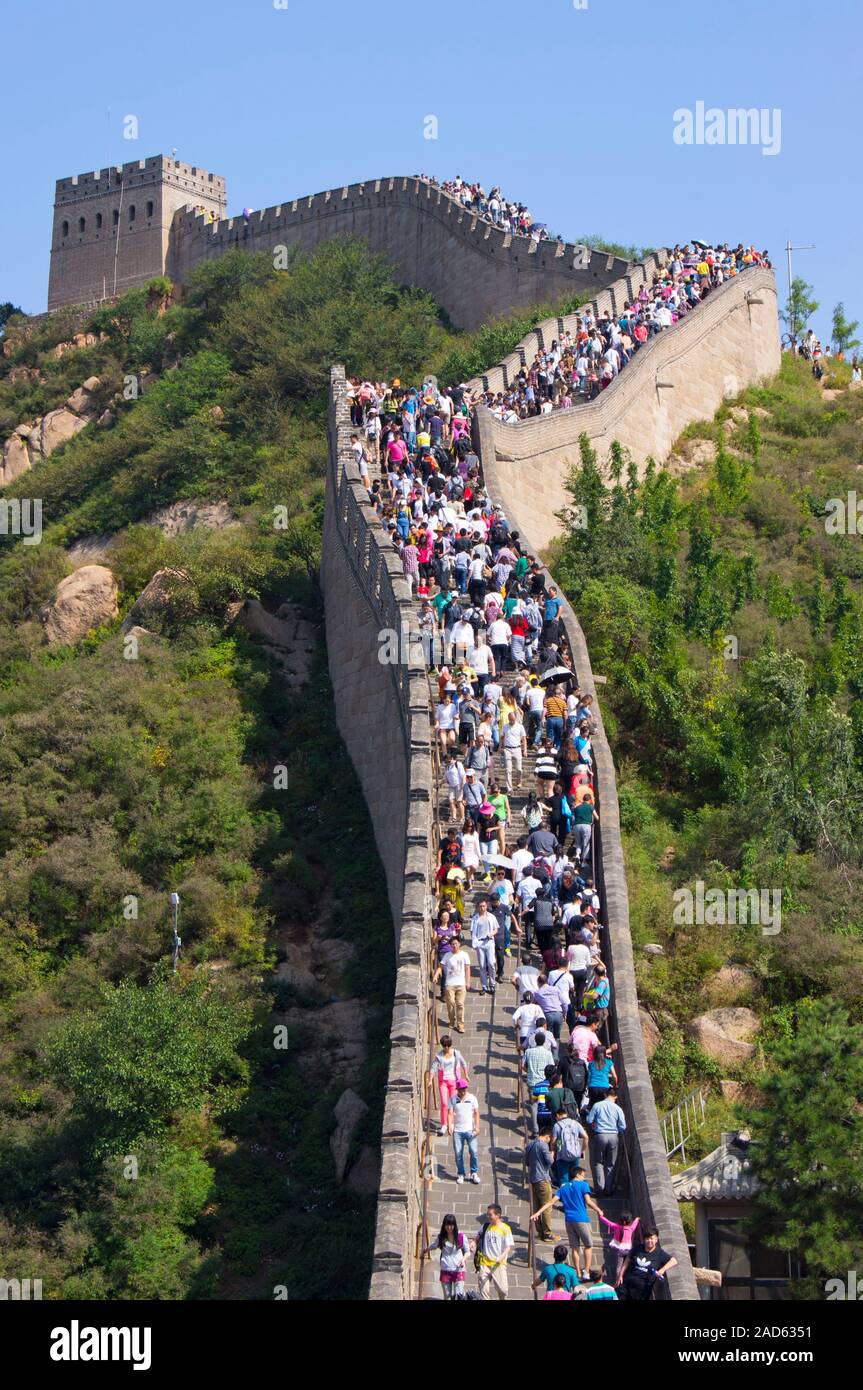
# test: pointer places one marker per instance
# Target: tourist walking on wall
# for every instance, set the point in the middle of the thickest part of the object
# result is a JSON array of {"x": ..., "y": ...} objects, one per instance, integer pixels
[
  {"x": 494, "y": 1245},
  {"x": 453, "y": 1247},
  {"x": 455, "y": 968},
  {"x": 463, "y": 1126},
  {"x": 451, "y": 1071}
]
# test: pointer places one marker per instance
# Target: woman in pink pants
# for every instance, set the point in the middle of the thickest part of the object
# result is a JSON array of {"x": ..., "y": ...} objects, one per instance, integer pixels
[{"x": 450, "y": 1068}]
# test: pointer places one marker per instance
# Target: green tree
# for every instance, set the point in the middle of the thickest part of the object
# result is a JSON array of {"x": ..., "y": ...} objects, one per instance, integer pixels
[
  {"x": 148, "y": 1053},
  {"x": 842, "y": 332},
  {"x": 808, "y": 1158},
  {"x": 6, "y": 312},
  {"x": 799, "y": 307}
]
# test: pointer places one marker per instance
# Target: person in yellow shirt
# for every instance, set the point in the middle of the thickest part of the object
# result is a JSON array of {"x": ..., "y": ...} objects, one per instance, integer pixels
[{"x": 493, "y": 1245}]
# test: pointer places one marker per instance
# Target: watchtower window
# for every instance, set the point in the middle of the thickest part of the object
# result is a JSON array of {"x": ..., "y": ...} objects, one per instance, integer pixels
[
  {"x": 150, "y": 209},
  {"x": 116, "y": 216},
  {"x": 132, "y": 213},
  {"x": 65, "y": 228},
  {"x": 82, "y": 223},
  {"x": 98, "y": 221}
]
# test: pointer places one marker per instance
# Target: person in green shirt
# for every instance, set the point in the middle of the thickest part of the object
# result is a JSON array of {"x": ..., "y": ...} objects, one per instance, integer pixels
[
  {"x": 500, "y": 802},
  {"x": 560, "y": 1266},
  {"x": 521, "y": 567}
]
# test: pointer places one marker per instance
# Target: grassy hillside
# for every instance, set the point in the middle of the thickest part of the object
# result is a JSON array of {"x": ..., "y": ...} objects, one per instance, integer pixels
[{"x": 153, "y": 1140}]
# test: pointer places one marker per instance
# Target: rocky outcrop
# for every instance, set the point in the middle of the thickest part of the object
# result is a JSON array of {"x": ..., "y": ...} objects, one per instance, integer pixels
[
  {"x": 349, "y": 1110},
  {"x": 31, "y": 442},
  {"x": 650, "y": 1034},
  {"x": 83, "y": 601},
  {"x": 287, "y": 638},
  {"x": 156, "y": 598},
  {"x": 726, "y": 1034},
  {"x": 181, "y": 517}
]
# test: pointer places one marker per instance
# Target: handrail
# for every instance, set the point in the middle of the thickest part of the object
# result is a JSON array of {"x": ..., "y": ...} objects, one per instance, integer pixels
[{"x": 432, "y": 1028}]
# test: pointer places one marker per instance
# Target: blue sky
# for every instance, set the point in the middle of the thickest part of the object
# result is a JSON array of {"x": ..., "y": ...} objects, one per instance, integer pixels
[{"x": 569, "y": 109}]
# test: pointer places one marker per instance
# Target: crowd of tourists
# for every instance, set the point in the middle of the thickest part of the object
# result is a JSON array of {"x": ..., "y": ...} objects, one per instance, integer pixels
[
  {"x": 515, "y": 874},
  {"x": 492, "y": 207},
  {"x": 582, "y": 363}
]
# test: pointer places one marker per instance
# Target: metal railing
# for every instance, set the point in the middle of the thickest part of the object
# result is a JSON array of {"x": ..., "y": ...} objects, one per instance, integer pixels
[{"x": 678, "y": 1124}]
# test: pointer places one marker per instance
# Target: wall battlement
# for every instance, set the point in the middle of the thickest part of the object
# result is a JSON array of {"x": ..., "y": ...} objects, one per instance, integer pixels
[{"x": 474, "y": 270}]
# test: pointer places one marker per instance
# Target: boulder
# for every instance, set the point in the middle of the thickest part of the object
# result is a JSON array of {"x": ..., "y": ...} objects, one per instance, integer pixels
[
  {"x": 92, "y": 382},
  {"x": 15, "y": 459},
  {"x": 726, "y": 1034},
  {"x": 83, "y": 601},
  {"x": 732, "y": 1091},
  {"x": 650, "y": 1034},
  {"x": 365, "y": 1175},
  {"x": 56, "y": 428},
  {"x": 653, "y": 948},
  {"x": 80, "y": 400},
  {"x": 155, "y": 598},
  {"x": 349, "y": 1110}
]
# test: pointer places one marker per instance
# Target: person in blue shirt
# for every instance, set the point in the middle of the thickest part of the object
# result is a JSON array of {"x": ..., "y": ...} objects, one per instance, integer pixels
[
  {"x": 575, "y": 1199},
  {"x": 601, "y": 1076},
  {"x": 607, "y": 1122},
  {"x": 560, "y": 1266}
]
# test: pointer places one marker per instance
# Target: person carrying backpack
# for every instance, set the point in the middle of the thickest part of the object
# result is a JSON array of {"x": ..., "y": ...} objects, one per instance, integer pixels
[
  {"x": 493, "y": 1247},
  {"x": 568, "y": 1138}
]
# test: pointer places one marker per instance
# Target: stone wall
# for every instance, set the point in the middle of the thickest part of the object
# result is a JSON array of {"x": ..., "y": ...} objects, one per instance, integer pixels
[
  {"x": 383, "y": 716},
  {"x": 729, "y": 342},
  {"x": 651, "y": 1191},
  {"x": 474, "y": 270},
  {"x": 91, "y": 252}
]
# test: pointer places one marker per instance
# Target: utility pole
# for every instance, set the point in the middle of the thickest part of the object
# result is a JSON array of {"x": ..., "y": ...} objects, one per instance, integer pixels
[{"x": 792, "y": 324}]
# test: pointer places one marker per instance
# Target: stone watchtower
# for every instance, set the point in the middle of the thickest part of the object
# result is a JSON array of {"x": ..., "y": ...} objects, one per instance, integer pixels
[{"x": 112, "y": 228}]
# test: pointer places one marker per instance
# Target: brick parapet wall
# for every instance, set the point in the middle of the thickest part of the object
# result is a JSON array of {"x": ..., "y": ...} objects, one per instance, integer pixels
[
  {"x": 383, "y": 716},
  {"x": 475, "y": 270},
  {"x": 682, "y": 375}
]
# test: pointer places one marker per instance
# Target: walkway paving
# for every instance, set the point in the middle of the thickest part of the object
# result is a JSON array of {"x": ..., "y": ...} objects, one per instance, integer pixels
[{"x": 488, "y": 1046}]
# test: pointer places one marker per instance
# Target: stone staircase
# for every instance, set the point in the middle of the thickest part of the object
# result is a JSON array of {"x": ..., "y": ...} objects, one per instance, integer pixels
[{"x": 488, "y": 1046}]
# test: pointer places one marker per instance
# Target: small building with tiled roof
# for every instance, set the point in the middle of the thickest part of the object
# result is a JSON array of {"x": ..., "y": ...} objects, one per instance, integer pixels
[{"x": 721, "y": 1187}]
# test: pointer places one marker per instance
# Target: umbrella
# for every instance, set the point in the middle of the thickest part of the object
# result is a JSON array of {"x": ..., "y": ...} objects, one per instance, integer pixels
[
  {"x": 557, "y": 673},
  {"x": 500, "y": 860}
]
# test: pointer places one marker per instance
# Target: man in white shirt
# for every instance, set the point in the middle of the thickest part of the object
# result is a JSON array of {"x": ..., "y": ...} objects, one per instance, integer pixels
[
  {"x": 578, "y": 959},
  {"x": 463, "y": 1125},
  {"x": 521, "y": 857},
  {"x": 454, "y": 776},
  {"x": 514, "y": 744},
  {"x": 525, "y": 1018},
  {"x": 525, "y": 978},
  {"x": 461, "y": 641},
  {"x": 455, "y": 968},
  {"x": 499, "y": 635}
]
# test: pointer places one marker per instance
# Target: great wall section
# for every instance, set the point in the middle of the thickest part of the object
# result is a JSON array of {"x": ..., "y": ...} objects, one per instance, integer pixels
[{"x": 475, "y": 272}]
